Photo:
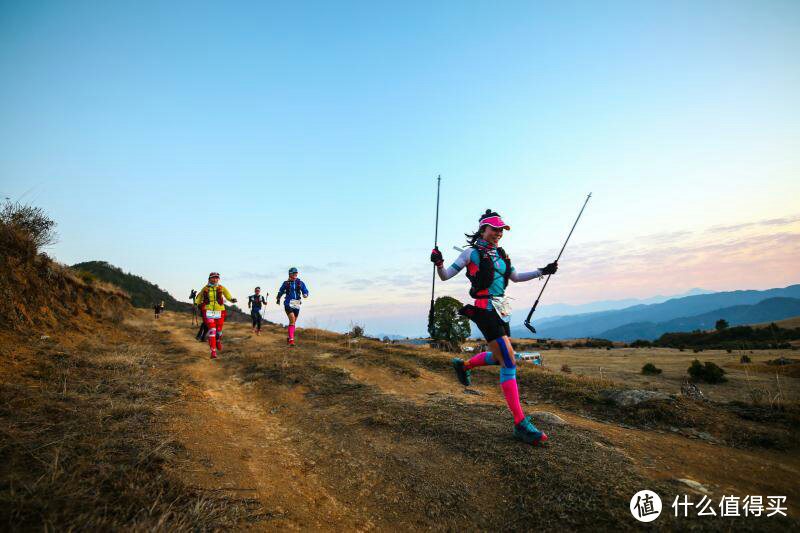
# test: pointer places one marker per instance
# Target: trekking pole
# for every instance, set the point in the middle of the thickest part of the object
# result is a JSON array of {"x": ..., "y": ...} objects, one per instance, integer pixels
[
  {"x": 536, "y": 303},
  {"x": 435, "y": 244}
]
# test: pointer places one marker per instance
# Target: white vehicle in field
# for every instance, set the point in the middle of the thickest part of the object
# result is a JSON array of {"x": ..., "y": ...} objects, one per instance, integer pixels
[{"x": 530, "y": 357}]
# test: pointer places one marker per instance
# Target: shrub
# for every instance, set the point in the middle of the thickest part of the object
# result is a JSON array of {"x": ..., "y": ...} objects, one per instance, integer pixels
[
  {"x": 87, "y": 277},
  {"x": 708, "y": 372},
  {"x": 565, "y": 368},
  {"x": 640, "y": 343},
  {"x": 650, "y": 369},
  {"x": 745, "y": 359},
  {"x": 556, "y": 344},
  {"x": 30, "y": 222},
  {"x": 729, "y": 350}
]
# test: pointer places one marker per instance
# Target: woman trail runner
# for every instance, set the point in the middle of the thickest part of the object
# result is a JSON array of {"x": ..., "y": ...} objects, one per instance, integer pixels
[
  {"x": 212, "y": 298},
  {"x": 489, "y": 270},
  {"x": 294, "y": 289},
  {"x": 254, "y": 302}
]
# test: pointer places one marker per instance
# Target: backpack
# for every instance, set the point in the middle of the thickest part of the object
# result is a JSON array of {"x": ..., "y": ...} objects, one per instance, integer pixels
[
  {"x": 483, "y": 278},
  {"x": 207, "y": 298}
]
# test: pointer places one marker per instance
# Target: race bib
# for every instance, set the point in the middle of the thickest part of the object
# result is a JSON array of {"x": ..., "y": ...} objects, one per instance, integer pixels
[
  {"x": 213, "y": 314},
  {"x": 503, "y": 307},
  {"x": 295, "y": 304}
]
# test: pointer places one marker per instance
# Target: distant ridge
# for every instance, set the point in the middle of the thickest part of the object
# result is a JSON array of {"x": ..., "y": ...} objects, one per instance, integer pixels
[
  {"x": 765, "y": 311},
  {"x": 595, "y": 324}
]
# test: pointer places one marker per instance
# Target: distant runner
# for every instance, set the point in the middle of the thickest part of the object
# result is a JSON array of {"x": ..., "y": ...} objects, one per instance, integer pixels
[
  {"x": 254, "y": 302},
  {"x": 192, "y": 296},
  {"x": 294, "y": 289},
  {"x": 489, "y": 270},
  {"x": 157, "y": 310},
  {"x": 212, "y": 298}
]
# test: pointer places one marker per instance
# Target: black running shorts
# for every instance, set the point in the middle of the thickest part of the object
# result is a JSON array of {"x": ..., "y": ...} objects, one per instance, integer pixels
[{"x": 491, "y": 325}]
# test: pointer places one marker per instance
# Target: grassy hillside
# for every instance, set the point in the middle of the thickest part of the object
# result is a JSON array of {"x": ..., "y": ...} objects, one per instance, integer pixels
[{"x": 142, "y": 292}]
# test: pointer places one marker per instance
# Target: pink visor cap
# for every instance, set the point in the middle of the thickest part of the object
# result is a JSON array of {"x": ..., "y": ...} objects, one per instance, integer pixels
[{"x": 495, "y": 222}]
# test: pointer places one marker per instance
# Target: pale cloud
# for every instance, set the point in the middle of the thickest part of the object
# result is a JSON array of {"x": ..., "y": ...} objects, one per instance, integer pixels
[
  {"x": 311, "y": 269},
  {"x": 782, "y": 221}
]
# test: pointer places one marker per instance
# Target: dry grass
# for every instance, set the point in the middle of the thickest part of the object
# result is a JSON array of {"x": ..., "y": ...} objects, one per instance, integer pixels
[
  {"x": 623, "y": 366},
  {"x": 80, "y": 447}
]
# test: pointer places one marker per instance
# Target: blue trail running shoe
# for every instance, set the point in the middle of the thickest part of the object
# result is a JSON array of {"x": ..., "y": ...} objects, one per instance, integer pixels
[
  {"x": 527, "y": 433},
  {"x": 463, "y": 375}
]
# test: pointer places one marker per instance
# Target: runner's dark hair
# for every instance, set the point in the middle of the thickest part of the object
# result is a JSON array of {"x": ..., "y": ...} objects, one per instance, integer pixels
[{"x": 471, "y": 238}]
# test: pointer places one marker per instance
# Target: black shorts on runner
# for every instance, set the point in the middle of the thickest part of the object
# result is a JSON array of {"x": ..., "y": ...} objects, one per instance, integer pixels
[
  {"x": 488, "y": 321},
  {"x": 292, "y": 310}
]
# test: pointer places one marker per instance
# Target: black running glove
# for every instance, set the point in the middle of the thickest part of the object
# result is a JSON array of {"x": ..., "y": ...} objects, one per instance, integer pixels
[
  {"x": 549, "y": 269},
  {"x": 278, "y": 300},
  {"x": 436, "y": 257}
]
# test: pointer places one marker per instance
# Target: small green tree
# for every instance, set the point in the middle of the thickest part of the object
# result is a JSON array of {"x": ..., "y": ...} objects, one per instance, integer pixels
[
  {"x": 721, "y": 324},
  {"x": 448, "y": 327}
]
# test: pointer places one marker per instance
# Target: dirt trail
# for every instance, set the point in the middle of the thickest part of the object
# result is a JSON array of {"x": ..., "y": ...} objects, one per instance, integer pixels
[
  {"x": 327, "y": 442},
  {"x": 244, "y": 449}
]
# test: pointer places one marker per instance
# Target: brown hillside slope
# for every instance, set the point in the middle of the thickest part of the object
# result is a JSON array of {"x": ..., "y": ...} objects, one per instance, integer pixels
[{"x": 82, "y": 439}]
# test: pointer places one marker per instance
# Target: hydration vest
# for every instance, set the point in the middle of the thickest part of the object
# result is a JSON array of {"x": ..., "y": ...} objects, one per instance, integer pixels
[
  {"x": 207, "y": 298},
  {"x": 484, "y": 277},
  {"x": 293, "y": 287}
]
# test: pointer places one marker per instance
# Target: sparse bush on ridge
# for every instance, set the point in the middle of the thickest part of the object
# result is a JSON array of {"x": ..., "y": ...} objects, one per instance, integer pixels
[
  {"x": 28, "y": 223},
  {"x": 745, "y": 359},
  {"x": 566, "y": 368}
]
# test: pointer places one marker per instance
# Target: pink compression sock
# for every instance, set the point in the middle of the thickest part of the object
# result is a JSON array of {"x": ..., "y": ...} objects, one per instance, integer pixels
[
  {"x": 512, "y": 399},
  {"x": 212, "y": 339},
  {"x": 291, "y": 332},
  {"x": 482, "y": 359}
]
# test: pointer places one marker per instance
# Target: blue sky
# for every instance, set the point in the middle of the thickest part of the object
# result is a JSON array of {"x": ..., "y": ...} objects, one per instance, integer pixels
[{"x": 175, "y": 139}]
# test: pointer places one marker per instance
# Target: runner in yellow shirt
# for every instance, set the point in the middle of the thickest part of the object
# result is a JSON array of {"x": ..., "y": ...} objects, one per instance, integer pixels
[{"x": 212, "y": 298}]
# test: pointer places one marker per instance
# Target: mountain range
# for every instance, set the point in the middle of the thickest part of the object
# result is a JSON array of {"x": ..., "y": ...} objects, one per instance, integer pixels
[
  {"x": 764, "y": 311},
  {"x": 600, "y": 324}
]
